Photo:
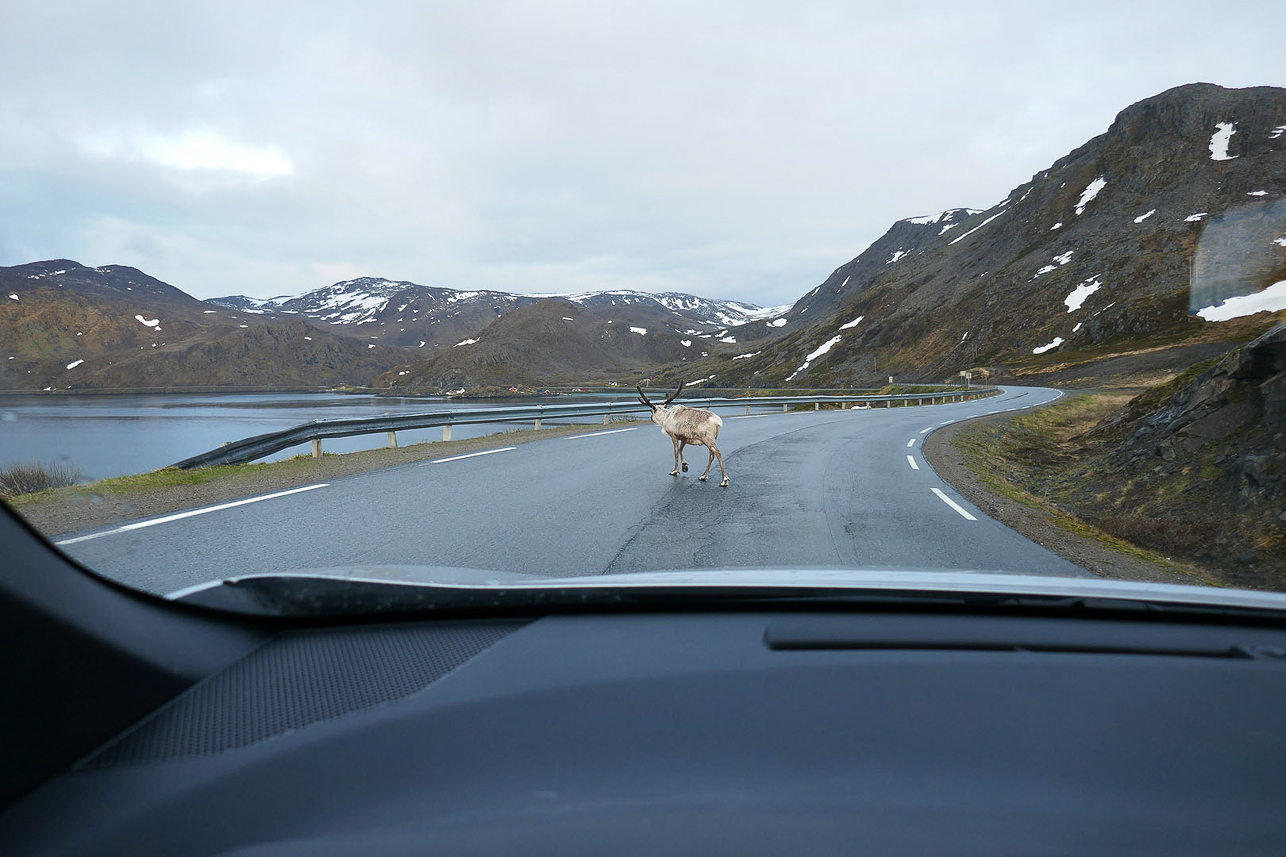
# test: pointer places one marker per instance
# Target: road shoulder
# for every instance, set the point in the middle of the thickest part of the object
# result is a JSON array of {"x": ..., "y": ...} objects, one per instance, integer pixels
[
  {"x": 90, "y": 507},
  {"x": 1094, "y": 555}
]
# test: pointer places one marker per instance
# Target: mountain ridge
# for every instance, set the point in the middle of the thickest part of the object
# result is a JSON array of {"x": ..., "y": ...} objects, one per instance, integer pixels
[
  {"x": 401, "y": 312},
  {"x": 1094, "y": 252}
]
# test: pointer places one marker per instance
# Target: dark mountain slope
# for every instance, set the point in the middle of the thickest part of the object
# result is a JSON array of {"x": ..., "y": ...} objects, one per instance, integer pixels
[
  {"x": 1093, "y": 256},
  {"x": 113, "y": 281},
  {"x": 65, "y": 326},
  {"x": 551, "y": 342}
]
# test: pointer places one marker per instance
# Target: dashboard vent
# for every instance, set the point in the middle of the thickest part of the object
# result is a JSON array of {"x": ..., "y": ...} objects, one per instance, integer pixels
[{"x": 296, "y": 679}]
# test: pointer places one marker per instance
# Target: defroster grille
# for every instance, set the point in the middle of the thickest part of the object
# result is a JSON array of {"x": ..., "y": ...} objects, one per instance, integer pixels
[{"x": 295, "y": 679}]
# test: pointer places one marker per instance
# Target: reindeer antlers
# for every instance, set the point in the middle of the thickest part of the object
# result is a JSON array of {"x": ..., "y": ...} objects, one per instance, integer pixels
[{"x": 644, "y": 399}]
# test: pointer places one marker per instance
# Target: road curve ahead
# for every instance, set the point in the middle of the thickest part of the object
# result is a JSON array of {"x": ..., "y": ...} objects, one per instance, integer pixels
[{"x": 809, "y": 489}]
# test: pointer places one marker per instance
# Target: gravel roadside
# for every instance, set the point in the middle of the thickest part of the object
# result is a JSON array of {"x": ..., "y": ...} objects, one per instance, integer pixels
[{"x": 1093, "y": 555}]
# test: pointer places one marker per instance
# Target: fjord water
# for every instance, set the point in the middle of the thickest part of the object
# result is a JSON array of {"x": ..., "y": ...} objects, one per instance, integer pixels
[{"x": 114, "y": 435}]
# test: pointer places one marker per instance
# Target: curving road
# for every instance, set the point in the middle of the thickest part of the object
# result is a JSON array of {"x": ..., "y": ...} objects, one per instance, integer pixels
[{"x": 810, "y": 489}]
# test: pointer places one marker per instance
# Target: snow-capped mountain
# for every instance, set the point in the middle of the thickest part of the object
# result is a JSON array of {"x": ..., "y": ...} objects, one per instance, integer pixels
[
  {"x": 1168, "y": 231},
  {"x": 406, "y": 313},
  {"x": 68, "y": 326}
]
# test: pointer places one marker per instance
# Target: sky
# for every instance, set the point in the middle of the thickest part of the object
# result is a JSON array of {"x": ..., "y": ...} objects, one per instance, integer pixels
[{"x": 738, "y": 150}]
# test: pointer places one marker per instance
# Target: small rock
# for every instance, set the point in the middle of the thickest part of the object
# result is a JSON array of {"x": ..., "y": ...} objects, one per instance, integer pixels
[{"x": 1248, "y": 556}]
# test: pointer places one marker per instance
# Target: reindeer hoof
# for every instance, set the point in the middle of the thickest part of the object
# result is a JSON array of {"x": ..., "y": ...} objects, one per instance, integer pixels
[
  {"x": 685, "y": 467},
  {"x": 674, "y": 472},
  {"x": 702, "y": 478},
  {"x": 724, "y": 483}
]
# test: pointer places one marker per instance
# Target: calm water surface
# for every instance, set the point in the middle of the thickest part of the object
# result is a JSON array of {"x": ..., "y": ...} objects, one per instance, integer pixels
[{"x": 116, "y": 435}]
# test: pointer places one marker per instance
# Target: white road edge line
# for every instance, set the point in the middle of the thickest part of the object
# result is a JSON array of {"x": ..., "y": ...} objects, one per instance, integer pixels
[
  {"x": 911, "y": 461},
  {"x": 470, "y": 455},
  {"x": 752, "y": 416},
  {"x": 599, "y": 433},
  {"x": 165, "y": 520},
  {"x": 953, "y": 504}
]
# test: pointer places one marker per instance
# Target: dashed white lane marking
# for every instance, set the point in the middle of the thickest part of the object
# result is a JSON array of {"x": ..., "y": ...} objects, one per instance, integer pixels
[
  {"x": 953, "y": 504},
  {"x": 910, "y": 443},
  {"x": 929, "y": 429},
  {"x": 470, "y": 455},
  {"x": 598, "y": 433},
  {"x": 165, "y": 520},
  {"x": 911, "y": 461}
]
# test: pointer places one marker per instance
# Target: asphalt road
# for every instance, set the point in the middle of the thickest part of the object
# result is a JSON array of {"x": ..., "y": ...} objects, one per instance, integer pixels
[{"x": 812, "y": 489}]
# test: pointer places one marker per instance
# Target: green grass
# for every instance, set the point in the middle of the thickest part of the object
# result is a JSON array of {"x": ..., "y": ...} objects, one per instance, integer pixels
[
  {"x": 1024, "y": 458},
  {"x": 165, "y": 478}
]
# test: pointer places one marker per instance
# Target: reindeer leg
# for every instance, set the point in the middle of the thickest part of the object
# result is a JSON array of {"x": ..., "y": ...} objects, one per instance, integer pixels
[
  {"x": 724, "y": 483},
  {"x": 682, "y": 444},
  {"x": 675, "y": 471},
  {"x": 704, "y": 476}
]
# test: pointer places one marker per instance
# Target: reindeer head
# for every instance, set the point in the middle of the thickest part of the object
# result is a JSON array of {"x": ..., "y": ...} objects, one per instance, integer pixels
[{"x": 659, "y": 411}]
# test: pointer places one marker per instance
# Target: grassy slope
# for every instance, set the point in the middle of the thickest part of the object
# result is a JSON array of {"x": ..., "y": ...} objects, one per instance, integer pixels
[{"x": 1047, "y": 460}]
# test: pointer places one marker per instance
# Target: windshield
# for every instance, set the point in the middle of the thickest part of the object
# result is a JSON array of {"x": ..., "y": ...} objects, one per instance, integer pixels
[{"x": 501, "y": 294}]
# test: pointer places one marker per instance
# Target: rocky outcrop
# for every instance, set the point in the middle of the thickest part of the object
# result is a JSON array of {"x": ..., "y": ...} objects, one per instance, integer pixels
[{"x": 1201, "y": 460}]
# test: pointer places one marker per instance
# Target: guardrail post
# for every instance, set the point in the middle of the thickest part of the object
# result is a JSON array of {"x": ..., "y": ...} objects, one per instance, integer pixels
[
  {"x": 817, "y": 406},
  {"x": 446, "y": 432},
  {"x": 316, "y": 447},
  {"x": 607, "y": 419},
  {"x": 747, "y": 410},
  {"x": 392, "y": 440},
  {"x": 537, "y": 423}
]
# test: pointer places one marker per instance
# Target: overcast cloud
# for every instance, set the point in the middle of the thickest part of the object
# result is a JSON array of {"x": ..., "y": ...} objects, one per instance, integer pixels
[{"x": 731, "y": 149}]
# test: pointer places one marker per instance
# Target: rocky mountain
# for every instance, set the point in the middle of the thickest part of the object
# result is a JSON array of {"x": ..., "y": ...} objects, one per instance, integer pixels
[
  {"x": 65, "y": 326},
  {"x": 1141, "y": 239},
  {"x": 417, "y": 316},
  {"x": 553, "y": 341}
]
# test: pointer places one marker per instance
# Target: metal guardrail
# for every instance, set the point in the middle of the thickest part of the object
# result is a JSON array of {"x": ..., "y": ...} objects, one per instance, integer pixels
[{"x": 240, "y": 451}]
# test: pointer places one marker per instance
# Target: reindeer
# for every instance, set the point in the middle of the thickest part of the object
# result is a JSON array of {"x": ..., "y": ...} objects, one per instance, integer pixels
[{"x": 687, "y": 426}]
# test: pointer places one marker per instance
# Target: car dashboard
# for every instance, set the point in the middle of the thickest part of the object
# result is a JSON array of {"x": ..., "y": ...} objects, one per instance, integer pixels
[{"x": 717, "y": 728}]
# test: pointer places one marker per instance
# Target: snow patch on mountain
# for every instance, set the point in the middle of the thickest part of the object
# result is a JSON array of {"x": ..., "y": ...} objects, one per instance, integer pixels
[
  {"x": 976, "y": 228},
  {"x": 1057, "y": 262},
  {"x": 1058, "y": 340},
  {"x": 1220, "y": 139},
  {"x": 1077, "y": 297},
  {"x": 1091, "y": 191},
  {"x": 814, "y": 354}
]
